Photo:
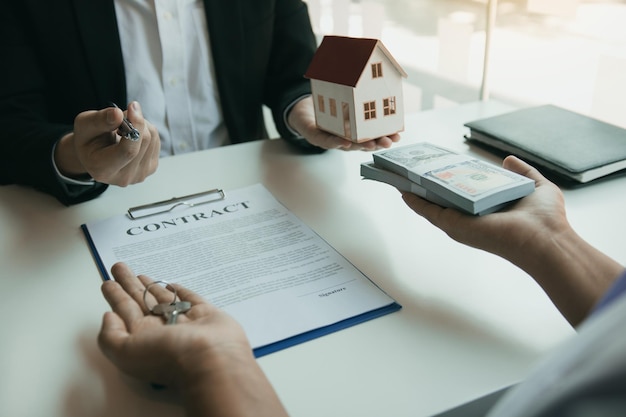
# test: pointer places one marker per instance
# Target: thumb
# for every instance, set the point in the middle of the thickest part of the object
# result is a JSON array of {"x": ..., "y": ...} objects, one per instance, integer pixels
[
  {"x": 93, "y": 123},
  {"x": 513, "y": 163},
  {"x": 134, "y": 113},
  {"x": 112, "y": 334}
]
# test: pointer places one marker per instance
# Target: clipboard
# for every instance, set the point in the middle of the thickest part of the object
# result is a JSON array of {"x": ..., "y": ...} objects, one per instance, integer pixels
[{"x": 191, "y": 200}]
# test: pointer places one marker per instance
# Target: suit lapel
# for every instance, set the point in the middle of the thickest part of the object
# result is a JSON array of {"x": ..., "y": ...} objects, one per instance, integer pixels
[
  {"x": 225, "y": 25},
  {"x": 98, "y": 30}
]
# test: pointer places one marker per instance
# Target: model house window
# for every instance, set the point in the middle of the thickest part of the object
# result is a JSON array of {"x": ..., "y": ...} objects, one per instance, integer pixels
[
  {"x": 369, "y": 109},
  {"x": 389, "y": 106},
  {"x": 320, "y": 103},
  {"x": 377, "y": 70},
  {"x": 332, "y": 104}
]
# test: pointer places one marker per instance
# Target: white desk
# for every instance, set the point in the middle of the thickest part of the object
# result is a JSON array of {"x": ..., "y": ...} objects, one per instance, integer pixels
[{"x": 471, "y": 322}]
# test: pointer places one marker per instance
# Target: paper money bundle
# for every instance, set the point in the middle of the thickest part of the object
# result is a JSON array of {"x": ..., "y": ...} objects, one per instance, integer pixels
[{"x": 448, "y": 178}]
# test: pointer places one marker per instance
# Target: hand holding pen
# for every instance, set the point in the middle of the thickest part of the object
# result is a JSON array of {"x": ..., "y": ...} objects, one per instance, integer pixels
[{"x": 93, "y": 150}]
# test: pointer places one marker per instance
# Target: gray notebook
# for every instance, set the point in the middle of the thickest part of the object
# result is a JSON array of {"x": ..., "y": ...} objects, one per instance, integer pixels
[{"x": 569, "y": 144}]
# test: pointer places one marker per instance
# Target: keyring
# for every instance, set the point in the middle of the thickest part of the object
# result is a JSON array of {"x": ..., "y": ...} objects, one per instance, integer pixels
[{"x": 158, "y": 282}]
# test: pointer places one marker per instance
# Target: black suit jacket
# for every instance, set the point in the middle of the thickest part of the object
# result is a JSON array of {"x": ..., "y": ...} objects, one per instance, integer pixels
[{"x": 62, "y": 57}]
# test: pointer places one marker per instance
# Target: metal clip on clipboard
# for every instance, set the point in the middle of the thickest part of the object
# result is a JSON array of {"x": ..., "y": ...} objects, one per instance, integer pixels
[{"x": 164, "y": 206}]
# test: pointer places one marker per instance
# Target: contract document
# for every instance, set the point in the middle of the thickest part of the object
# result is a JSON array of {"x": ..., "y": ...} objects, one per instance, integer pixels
[{"x": 249, "y": 255}]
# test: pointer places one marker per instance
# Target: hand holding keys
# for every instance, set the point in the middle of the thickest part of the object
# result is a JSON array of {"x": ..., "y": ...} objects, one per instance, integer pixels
[{"x": 169, "y": 311}]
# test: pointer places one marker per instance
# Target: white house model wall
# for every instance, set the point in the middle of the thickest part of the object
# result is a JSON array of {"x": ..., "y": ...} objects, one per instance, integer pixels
[
  {"x": 369, "y": 89},
  {"x": 342, "y": 123},
  {"x": 357, "y": 89}
]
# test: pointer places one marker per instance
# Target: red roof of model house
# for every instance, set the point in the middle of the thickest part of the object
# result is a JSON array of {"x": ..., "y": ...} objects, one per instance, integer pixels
[{"x": 341, "y": 59}]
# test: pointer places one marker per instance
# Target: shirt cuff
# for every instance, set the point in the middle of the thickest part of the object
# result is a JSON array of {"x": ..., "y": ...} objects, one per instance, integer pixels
[
  {"x": 70, "y": 181},
  {"x": 616, "y": 290},
  {"x": 286, "y": 113}
]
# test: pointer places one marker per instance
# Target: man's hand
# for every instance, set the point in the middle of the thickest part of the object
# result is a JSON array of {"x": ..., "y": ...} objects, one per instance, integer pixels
[
  {"x": 142, "y": 345},
  {"x": 535, "y": 235},
  {"x": 534, "y": 218},
  {"x": 206, "y": 354},
  {"x": 94, "y": 148}
]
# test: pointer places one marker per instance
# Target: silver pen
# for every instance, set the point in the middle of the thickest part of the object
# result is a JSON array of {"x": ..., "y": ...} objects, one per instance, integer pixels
[{"x": 126, "y": 129}]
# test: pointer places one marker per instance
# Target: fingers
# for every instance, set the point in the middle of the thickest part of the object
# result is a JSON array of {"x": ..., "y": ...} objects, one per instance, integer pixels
[
  {"x": 421, "y": 206},
  {"x": 370, "y": 145},
  {"x": 137, "y": 159},
  {"x": 186, "y": 294},
  {"x": 394, "y": 138},
  {"x": 125, "y": 294},
  {"x": 126, "y": 278},
  {"x": 383, "y": 142},
  {"x": 125, "y": 306},
  {"x": 518, "y": 166},
  {"x": 327, "y": 141},
  {"x": 95, "y": 123},
  {"x": 154, "y": 150},
  {"x": 386, "y": 141},
  {"x": 442, "y": 217},
  {"x": 95, "y": 141},
  {"x": 119, "y": 152},
  {"x": 135, "y": 288},
  {"x": 109, "y": 158}
]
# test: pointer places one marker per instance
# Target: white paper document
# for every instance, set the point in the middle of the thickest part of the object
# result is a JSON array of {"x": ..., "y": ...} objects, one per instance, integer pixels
[{"x": 252, "y": 257}]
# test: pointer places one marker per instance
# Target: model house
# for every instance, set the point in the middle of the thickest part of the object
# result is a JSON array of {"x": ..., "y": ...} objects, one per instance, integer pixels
[{"x": 357, "y": 88}]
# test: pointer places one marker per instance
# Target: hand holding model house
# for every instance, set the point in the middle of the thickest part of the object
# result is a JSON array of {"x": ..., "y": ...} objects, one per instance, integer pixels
[{"x": 357, "y": 89}]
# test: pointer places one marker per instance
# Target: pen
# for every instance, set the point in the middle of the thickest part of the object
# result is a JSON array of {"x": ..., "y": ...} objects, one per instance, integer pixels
[{"x": 126, "y": 129}]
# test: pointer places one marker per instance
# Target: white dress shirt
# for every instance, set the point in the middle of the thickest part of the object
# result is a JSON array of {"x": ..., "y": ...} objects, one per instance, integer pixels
[{"x": 169, "y": 71}]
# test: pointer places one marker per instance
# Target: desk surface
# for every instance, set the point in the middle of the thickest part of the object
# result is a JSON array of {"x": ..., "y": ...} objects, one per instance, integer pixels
[{"x": 471, "y": 322}]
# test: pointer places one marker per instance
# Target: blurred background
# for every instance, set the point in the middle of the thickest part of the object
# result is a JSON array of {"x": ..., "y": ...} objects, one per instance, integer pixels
[{"x": 571, "y": 53}]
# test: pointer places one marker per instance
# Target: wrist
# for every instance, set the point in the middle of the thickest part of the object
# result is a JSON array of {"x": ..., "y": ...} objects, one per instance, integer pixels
[
  {"x": 227, "y": 382},
  {"x": 66, "y": 158},
  {"x": 300, "y": 116},
  {"x": 213, "y": 362},
  {"x": 572, "y": 272}
]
